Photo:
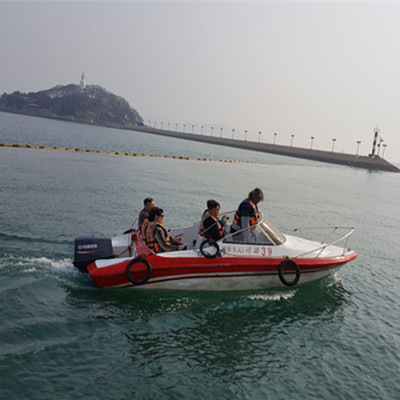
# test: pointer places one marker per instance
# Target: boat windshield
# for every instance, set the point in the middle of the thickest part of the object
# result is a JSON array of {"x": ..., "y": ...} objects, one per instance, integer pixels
[
  {"x": 263, "y": 233},
  {"x": 272, "y": 234}
]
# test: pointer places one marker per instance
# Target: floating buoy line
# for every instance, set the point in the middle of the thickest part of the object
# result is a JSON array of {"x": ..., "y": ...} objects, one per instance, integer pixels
[{"x": 118, "y": 153}]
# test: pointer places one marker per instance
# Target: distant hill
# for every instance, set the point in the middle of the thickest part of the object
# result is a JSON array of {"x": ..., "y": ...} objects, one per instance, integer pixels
[{"x": 92, "y": 105}]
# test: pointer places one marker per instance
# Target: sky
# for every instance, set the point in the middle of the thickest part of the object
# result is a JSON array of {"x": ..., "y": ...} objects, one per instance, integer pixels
[{"x": 328, "y": 70}]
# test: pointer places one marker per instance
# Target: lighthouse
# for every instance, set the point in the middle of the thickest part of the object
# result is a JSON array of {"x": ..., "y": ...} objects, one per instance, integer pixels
[
  {"x": 82, "y": 83},
  {"x": 376, "y": 131}
]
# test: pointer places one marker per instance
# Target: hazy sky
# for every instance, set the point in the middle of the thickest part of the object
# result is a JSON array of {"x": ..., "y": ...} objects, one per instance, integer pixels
[{"x": 322, "y": 69}]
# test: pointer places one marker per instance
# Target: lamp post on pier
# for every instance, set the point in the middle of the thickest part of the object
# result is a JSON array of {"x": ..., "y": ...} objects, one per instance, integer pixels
[
  {"x": 259, "y": 136},
  {"x": 275, "y": 137},
  {"x": 384, "y": 147},
  {"x": 245, "y": 135},
  {"x": 333, "y": 143},
  {"x": 358, "y": 146},
  {"x": 291, "y": 141},
  {"x": 379, "y": 145},
  {"x": 312, "y": 140}
]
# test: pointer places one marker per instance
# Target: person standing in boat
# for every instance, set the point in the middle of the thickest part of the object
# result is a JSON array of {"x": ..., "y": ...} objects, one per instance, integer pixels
[
  {"x": 160, "y": 236},
  {"x": 247, "y": 216},
  {"x": 148, "y": 203},
  {"x": 211, "y": 227}
]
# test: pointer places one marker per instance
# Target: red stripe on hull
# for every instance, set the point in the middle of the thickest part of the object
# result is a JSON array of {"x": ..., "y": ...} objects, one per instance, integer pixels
[{"x": 165, "y": 269}]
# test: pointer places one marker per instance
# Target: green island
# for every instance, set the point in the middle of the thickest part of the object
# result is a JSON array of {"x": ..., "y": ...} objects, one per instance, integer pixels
[{"x": 89, "y": 104}]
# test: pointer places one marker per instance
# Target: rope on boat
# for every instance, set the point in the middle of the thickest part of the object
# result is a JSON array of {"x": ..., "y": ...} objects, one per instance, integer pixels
[{"x": 117, "y": 153}]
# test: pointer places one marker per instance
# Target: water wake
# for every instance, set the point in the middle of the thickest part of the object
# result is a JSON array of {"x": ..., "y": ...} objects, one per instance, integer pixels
[
  {"x": 273, "y": 297},
  {"x": 32, "y": 264}
]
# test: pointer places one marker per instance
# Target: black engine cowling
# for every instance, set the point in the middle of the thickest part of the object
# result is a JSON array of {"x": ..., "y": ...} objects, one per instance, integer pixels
[{"x": 89, "y": 249}]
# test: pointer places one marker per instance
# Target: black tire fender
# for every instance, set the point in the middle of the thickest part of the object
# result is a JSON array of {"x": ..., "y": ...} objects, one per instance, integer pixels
[
  {"x": 134, "y": 261},
  {"x": 289, "y": 263},
  {"x": 212, "y": 244}
]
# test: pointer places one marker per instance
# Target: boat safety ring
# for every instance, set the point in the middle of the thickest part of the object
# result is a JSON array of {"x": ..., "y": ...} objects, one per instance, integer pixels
[
  {"x": 148, "y": 268},
  {"x": 209, "y": 249},
  {"x": 291, "y": 264}
]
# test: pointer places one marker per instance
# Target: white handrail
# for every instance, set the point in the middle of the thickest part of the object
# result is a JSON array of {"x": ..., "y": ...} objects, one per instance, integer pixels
[{"x": 325, "y": 245}]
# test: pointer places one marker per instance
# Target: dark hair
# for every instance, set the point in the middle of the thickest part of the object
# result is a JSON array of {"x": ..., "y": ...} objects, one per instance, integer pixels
[
  {"x": 211, "y": 204},
  {"x": 155, "y": 211},
  {"x": 256, "y": 195},
  {"x": 147, "y": 200}
]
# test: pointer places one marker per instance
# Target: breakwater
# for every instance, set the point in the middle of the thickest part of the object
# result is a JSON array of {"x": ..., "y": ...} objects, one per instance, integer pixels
[{"x": 351, "y": 160}]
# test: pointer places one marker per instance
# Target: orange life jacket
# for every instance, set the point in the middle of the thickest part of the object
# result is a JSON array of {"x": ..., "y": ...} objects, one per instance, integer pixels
[
  {"x": 156, "y": 246},
  {"x": 253, "y": 216},
  {"x": 149, "y": 239},
  {"x": 219, "y": 226}
]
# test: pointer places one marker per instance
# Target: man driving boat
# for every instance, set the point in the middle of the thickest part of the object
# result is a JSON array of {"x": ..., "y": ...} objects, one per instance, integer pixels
[{"x": 246, "y": 216}]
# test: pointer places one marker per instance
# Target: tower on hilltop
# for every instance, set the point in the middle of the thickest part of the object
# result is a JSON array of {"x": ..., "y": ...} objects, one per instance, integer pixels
[{"x": 82, "y": 83}]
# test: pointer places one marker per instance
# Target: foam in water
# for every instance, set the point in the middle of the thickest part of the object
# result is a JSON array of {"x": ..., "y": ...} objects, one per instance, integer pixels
[
  {"x": 64, "y": 264},
  {"x": 336, "y": 279},
  {"x": 31, "y": 264},
  {"x": 273, "y": 297}
]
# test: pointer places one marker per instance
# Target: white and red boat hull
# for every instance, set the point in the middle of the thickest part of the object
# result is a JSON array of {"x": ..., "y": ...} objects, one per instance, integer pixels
[
  {"x": 194, "y": 272},
  {"x": 269, "y": 259}
]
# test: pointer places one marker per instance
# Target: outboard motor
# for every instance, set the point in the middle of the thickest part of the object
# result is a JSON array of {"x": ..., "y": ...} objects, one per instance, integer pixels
[{"x": 91, "y": 248}]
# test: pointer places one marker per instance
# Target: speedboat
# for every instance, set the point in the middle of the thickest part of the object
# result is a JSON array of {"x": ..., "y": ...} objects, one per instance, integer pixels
[{"x": 259, "y": 257}]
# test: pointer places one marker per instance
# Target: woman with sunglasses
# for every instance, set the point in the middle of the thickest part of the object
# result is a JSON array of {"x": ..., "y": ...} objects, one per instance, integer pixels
[{"x": 161, "y": 239}]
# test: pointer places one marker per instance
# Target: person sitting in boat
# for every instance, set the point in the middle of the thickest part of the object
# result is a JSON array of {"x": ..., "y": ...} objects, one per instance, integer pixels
[
  {"x": 204, "y": 216},
  {"x": 161, "y": 239},
  {"x": 148, "y": 203},
  {"x": 211, "y": 227},
  {"x": 246, "y": 216},
  {"x": 146, "y": 231},
  {"x": 146, "y": 225}
]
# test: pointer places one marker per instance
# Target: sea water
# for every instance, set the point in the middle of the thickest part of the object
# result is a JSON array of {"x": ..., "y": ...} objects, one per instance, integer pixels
[{"x": 63, "y": 337}]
